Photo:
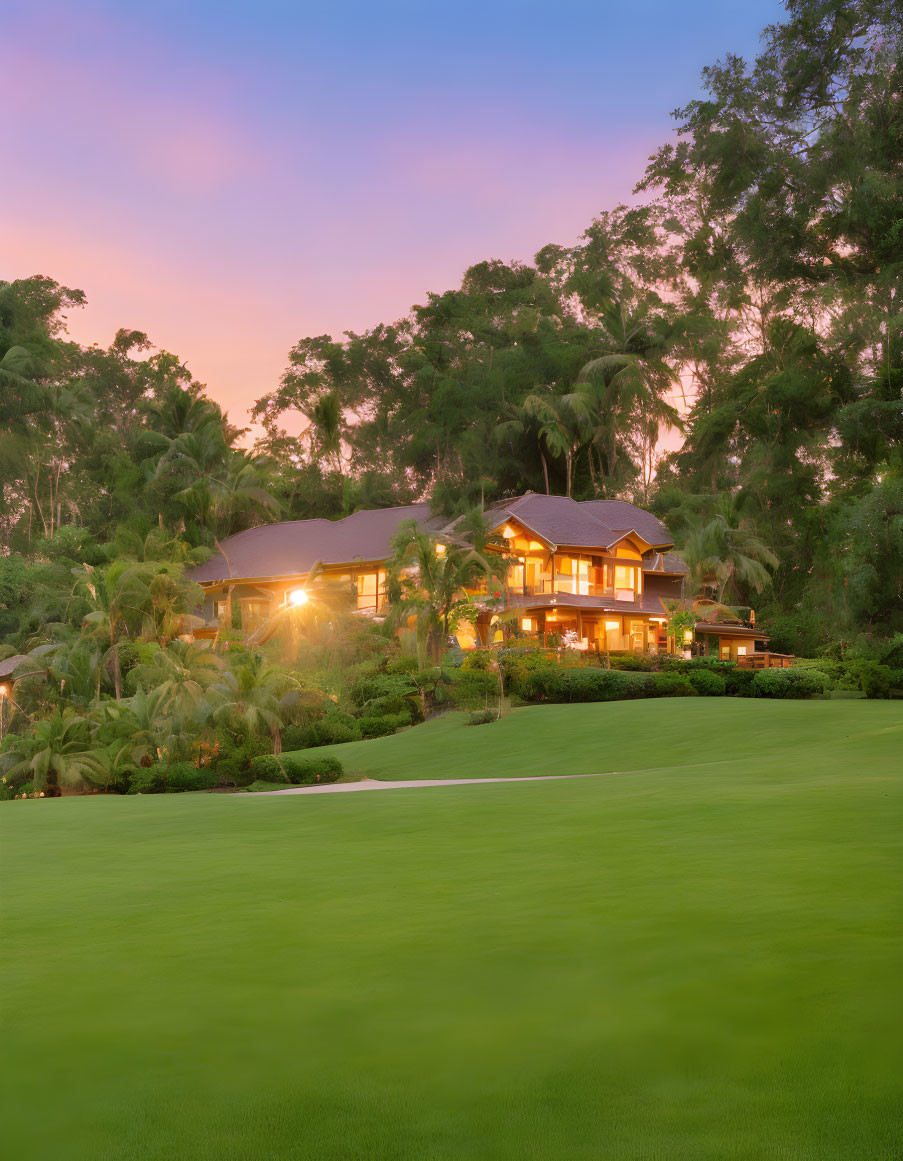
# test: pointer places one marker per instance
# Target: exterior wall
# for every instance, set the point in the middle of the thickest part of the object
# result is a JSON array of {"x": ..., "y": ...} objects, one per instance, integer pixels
[{"x": 729, "y": 648}]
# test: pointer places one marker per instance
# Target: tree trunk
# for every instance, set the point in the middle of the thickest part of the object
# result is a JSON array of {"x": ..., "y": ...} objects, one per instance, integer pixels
[
  {"x": 545, "y": 471},
  {"x": 117, "y": 676}
]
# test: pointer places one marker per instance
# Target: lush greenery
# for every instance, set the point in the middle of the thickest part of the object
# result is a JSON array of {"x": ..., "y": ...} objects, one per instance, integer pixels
[
  {"x": 751, "y": 296},
  {"x": 697, "y": 961}
]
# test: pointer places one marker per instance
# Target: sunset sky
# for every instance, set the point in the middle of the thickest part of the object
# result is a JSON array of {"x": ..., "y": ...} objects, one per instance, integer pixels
[{"x": 232, "y": 176}]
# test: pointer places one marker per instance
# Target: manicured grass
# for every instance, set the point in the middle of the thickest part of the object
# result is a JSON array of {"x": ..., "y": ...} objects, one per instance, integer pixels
[
  {"x": 698, "y": 962},
  {"x": 619, "y": 735}
]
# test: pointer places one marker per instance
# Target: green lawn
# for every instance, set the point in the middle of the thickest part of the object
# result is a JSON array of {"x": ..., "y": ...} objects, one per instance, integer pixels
[{"x": 701, "y": 961}]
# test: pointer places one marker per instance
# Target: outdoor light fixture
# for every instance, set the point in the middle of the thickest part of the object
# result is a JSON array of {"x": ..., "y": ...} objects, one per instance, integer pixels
[
  {"x": 298, "y": 597},
  {"x": 2, "y": 691},
  {"x": 440, "y": 550},
  {"x": 688, "y": 636}
]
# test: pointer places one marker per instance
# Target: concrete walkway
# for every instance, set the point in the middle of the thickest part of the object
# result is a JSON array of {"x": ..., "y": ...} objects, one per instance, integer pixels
[{"x": 374, "y": 784}]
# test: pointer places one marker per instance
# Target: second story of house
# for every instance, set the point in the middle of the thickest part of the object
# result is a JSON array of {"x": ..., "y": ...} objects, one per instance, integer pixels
[{"x": 606, "y": 552}]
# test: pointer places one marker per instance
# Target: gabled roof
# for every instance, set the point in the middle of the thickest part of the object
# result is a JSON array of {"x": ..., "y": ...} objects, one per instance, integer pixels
[
  {"x": 293, "y": 547},
  {"x": 621, "y": 516},
  {"x": 581, "y": 524}
]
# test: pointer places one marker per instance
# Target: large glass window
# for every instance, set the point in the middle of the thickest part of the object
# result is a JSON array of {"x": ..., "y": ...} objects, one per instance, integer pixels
[{"x": 628, "y": 583}]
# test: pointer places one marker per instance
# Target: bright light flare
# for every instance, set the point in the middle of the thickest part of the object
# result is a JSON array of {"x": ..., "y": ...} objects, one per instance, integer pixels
[{"x": 298, "y": 597}]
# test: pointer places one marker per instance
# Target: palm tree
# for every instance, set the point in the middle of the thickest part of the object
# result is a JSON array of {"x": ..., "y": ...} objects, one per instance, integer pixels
[
  {"x": 725, "y": 549},
  {"x": 619, "y": 398},
  {"x": 135, "y": 732},
  {"x": 119, "y": 595},
  {"x": 249, "y": 698},
  {"x": 180, "y": 674},
  {"x": 428, "y": 583},
  {"x": 58, "y": 751}
]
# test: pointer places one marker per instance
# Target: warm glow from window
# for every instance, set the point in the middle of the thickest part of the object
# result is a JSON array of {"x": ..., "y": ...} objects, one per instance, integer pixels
[
  {"x": 741, "y": 650},
  {"x": 526, "y": 623},
  {"x": 688, "y": 636},
  {"x": 508, "y": 531},
  {"x": 612, "y": 624},
  {"x": 2, "y": 691},
  {"x": 298, "y": 597}
]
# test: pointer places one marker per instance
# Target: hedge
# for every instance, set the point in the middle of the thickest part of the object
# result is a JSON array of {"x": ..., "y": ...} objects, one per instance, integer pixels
[
  {"x": 298, "y": 769},
  {"x": 379, "y": 726},
  {"x": 584, "y": 684},
  {"x": 671, "y": 685},
  {"x": 790, "y": 683},
  {"x": 707, "y": 683},
  {"x": 185, "y": 776}
]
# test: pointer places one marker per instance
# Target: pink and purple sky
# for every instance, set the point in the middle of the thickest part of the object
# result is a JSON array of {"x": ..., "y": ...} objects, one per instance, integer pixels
[{"x": 230, "y": 176}]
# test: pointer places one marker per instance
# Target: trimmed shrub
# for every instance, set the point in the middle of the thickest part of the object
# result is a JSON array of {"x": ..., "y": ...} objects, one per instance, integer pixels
[
  {"x": 260, "y": 787},
  {"x": 633, "y": 662},
  {"x": 308, "y": 771},
  {"x": 298, "y": 769},
  {"x": 671, "y": 685},
  {"x": 181, "y": 776},
  {"x": 739, "y": 682},
  {"x": 379, "y": 727},
  {"x": 269, "y": 768},
  {"x": 872, "y": 678},
  {"x": 482, "y": 718},
  {"x": 790, "y": 683},
  {"x": 707, "y": 684},
  {"x": 585, "y": 684}
]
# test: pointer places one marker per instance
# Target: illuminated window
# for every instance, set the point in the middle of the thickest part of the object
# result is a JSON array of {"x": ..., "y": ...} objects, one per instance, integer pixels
[
  {"x": 624, "y": 576},
  {"x": 526, "y": 623},
  {"x": 371, "y": 589},
  {"x": 741, "y": 650},
  {"x": 516, "y": 576}
]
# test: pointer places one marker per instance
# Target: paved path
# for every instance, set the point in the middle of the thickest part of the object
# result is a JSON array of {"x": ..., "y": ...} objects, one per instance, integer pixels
[{"x": 373, "y": 784}]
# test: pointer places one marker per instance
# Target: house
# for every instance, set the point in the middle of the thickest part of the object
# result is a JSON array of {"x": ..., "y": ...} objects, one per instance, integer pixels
[{"x": 600, "y": 572}]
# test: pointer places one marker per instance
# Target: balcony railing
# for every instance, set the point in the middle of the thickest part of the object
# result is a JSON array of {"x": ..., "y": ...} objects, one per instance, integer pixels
[{"x": 565, "y": 586}]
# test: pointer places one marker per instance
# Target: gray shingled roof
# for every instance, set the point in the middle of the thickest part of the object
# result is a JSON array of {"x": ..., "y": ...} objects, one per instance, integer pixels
[
  {"x": 581, "y": 524},
  {"x": 621, "y": 516},
  {"x": 557, "y": 519},
  {"x": 293, "y": 547}
]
